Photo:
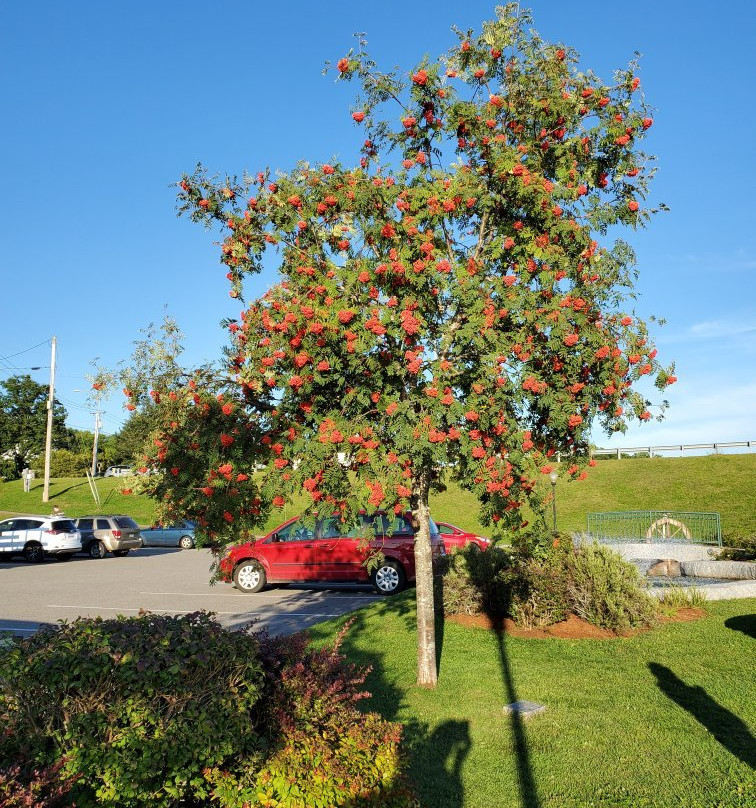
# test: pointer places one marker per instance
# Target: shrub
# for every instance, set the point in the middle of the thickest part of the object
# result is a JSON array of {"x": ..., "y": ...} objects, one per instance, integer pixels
[
  {"x": 738, "y": 548},
  {"x": 138, "y": 706},
  {"x": 175, "y": 711},
  {"x": 477, "y": 582},
  {"x": 606, "y": 590},
  {"x": 327, "y": 753},
  {"x": 23, "y": 787},
  {"x": 540, "y": 596}
]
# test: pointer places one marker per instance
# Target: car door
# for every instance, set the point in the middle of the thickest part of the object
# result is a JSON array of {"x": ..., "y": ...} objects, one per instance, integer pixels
[
  {"x": 340, "y": 555},
  {"x": 86, "y": 528},
  {"x": 290, "y": 552}
]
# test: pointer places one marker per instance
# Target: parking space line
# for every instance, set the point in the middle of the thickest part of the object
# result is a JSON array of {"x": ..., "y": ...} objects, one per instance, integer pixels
[
  {"x": 262, "y": 594},
  {"x": 168, "y": 611}
]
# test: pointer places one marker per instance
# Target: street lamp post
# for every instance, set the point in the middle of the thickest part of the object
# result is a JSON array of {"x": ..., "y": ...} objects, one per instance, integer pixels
[{"x": 553, "y": 477}]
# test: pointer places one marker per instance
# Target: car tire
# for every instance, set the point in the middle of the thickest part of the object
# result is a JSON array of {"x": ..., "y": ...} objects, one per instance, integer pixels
[
  {"x": 388, "y": 578},
  {"x": 120, "y": 553},
  {"x": 186, "y": 542},
  {"x": 249, "y": 577},
  {"x": 97, "y": 549},
  {"x": 34, "y": 553}
]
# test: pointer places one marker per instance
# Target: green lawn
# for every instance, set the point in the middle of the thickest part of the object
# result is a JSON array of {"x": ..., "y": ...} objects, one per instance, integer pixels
[
  {"x": 665, "y": 718},
  {"x": 719, "y": 483}
]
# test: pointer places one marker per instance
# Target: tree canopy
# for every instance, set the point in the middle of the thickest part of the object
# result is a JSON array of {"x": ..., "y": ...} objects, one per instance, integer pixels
[
  {"x": 23, "y": 422},
  {"x": 457, "y": 303}
]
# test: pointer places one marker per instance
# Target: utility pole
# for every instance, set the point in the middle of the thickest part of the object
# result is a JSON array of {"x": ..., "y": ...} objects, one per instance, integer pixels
[
  {"x": 48, "y": 440},
  {"x": 98, "y": 424}
]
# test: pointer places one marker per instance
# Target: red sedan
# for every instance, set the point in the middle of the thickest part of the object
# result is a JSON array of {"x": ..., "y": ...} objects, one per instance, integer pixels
[
  {"x": 300, "y": 550},
  {"x": 454, "y": 537}
]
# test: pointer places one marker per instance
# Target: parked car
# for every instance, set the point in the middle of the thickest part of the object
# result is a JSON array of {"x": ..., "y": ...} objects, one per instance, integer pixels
[
  {"x": 102, "y": 534},
  {"x": 299, "y": 550},
  {"x": 118, "y": 471},
  {"x": 180, "y": 535},
  {"x": 35, "y": 537},
  {"x": 454, "y": 537}
]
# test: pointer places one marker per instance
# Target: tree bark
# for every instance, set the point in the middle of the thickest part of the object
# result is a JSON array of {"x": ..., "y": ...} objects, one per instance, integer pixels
[{"x": 426, "y": 628}]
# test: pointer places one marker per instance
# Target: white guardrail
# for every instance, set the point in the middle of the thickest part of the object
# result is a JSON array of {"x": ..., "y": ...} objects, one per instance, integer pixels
[{"x": 680, "y": 447}]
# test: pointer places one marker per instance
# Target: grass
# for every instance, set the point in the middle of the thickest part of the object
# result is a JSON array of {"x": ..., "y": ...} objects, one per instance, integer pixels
[
  {"x": 719, "y": 483},
  {"x": 659, "y": 719}
]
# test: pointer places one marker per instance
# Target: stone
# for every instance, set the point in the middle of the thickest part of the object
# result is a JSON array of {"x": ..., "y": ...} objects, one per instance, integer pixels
[
  {"x": 525, "y": 709},
  {"x": 667, "y": 567}
]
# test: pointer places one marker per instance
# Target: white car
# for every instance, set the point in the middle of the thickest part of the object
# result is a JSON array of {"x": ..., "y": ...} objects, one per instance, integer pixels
[
  {"x": 35, "y": 537},
  {"x": 118, "y": 471}
]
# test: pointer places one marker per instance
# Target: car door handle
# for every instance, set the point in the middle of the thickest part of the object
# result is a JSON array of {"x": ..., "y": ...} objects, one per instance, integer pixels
[
  {"x": 308, "y": 546},
  {"x": 327, "y": 546}
]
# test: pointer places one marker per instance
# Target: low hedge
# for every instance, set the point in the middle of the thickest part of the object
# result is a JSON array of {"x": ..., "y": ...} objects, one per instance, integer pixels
[
  {"x": 168, "y": 711},
  {"x": 539, "y": 583}
]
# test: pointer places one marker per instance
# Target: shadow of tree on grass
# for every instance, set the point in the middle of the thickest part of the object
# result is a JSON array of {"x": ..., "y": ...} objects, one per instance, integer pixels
[{"x": 729, "y": 730}]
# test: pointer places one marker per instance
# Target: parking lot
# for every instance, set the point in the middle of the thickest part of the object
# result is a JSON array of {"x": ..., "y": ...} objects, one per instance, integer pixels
[{"x": 163, "y": 581}]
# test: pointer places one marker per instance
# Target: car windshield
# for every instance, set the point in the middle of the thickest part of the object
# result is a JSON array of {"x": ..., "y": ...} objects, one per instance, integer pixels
[{"x": 126, "y": 521}]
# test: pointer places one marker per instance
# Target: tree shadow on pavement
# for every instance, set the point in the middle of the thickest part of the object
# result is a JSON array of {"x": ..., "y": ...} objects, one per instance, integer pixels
[{"x": 729, "y": 730}]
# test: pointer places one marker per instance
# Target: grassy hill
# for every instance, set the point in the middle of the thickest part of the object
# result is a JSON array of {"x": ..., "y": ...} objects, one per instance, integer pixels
[{"x": 725, "y": 484}]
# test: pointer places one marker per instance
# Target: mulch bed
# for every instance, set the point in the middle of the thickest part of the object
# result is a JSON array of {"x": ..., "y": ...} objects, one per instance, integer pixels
[{"x": 573, "y": 628}]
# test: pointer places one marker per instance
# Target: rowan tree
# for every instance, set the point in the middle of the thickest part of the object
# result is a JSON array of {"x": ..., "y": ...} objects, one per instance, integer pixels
[{"x": 455, "y": 304}]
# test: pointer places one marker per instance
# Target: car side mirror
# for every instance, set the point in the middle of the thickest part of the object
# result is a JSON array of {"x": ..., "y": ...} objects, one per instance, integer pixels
[{"x": 274, "y": 537}]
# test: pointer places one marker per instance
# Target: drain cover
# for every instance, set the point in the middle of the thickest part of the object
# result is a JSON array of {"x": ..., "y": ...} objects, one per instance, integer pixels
[{"x": 525, "y": 709}]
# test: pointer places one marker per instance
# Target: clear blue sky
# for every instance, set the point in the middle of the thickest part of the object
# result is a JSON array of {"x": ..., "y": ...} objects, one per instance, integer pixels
[{"x": 105, "y": 104}]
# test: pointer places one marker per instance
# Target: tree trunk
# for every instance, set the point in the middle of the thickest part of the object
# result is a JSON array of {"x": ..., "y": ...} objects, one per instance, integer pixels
[{"x": 426, "y": 628}]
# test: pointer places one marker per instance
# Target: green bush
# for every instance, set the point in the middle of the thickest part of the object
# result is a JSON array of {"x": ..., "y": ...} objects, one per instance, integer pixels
[
  {"x": 540, "y": 597},
  {"x": 64, "y": 463},
  {"x": 175, "y": 711},
  {"x": 738, "y": 548},
  {"x": 138, "y": 706},
  {"x": 606, "y": 590},
  {"x": 478, "y": 581}
]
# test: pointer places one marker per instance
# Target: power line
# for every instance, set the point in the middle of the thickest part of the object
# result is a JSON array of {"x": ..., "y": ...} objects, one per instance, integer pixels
[{"x": 26, "y": 350}]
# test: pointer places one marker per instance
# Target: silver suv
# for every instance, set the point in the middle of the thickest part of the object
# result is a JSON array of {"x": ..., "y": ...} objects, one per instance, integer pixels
[
  {"x": 35, "y": 537},
  {"x": 103, "y": 534}
]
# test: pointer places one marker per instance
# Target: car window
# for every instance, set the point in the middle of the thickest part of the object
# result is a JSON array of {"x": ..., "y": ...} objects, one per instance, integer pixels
[
  {"x": 67, "y": 525},
  {"x": 398, "y": 526},
  {"x": 296, "y": 531},
  {"x": 126, "y": 522},
  {"x": 103, "y": 524},
  {"x": 85, "y": 524},
  {"x": 333, "y": 528},
  {"x": 7, "y": 525}
]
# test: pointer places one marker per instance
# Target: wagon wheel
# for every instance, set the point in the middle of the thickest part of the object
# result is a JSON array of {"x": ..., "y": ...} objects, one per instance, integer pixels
[{"x": 668, "y": 529}]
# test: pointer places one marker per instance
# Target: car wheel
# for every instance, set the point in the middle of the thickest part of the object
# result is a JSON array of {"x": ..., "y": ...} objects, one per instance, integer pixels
[
  {"x": 249, "y": 576},
  {"x": 388, "y": 578},
  {"x": 34, "y": 553},
  {"x": 186, "y": 542},
  {"x": 97, "y": 550},
  {"x": 120, "y": 553}
]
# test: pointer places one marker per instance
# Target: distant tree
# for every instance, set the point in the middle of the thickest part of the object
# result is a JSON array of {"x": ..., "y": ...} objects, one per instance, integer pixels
[
  {"x": 452, "y": 305},
  {"x": 65, "y": 463},
  {"x": 23, "y": 421}
]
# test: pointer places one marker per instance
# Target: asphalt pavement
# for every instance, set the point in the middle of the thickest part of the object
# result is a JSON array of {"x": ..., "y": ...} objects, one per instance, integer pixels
[{"x": 162, "y": 581}]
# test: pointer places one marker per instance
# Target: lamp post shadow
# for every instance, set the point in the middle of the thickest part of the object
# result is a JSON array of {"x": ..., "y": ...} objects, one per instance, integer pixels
[
  {"x": 526, "y": 780},
  {"x": 729, "y": 730}
]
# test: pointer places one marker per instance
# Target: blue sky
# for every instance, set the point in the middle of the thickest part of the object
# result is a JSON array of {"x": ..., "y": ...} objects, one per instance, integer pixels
[{"x": 104, "y": 105}]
